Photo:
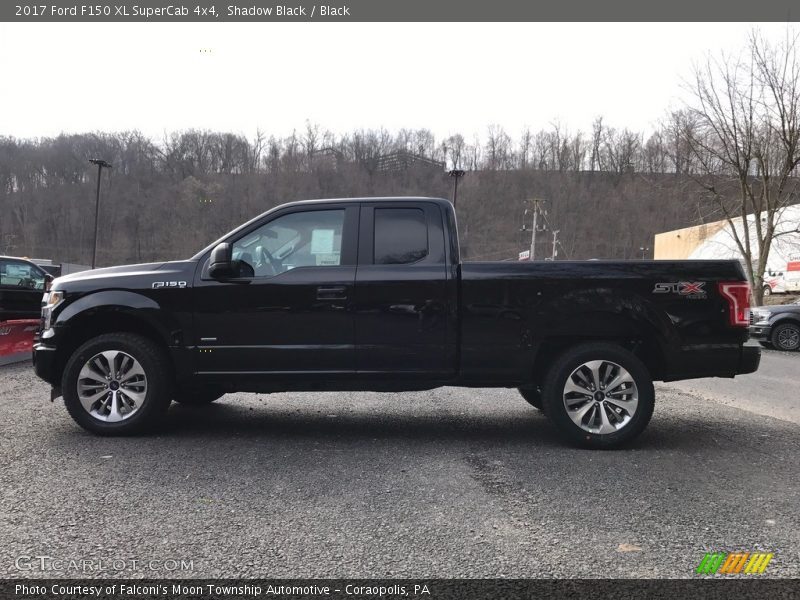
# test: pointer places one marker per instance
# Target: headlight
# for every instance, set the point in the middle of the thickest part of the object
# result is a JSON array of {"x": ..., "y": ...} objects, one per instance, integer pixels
[
  {"x": 760, "y": 316},
  {"x": 49, "y": 302}
]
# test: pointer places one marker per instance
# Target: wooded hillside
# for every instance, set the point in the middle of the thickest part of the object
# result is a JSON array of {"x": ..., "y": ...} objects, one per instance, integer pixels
[{"x": 608, "y": 193}]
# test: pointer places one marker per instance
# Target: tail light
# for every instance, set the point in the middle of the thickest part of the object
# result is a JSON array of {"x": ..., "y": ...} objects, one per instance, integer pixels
[{"x": 737, "y": 293}]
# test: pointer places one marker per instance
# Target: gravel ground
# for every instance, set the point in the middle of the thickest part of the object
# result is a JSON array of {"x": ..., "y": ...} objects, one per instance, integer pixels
[
  {"x": 449, "y": 483},
  {"x": 770, "y": 391}
]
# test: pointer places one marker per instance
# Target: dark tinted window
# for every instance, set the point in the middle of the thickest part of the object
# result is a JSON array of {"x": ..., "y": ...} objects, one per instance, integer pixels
[{"x": 401, "y": 236}]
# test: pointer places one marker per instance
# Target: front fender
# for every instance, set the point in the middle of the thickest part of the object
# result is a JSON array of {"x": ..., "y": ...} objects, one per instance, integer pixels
[
  {"x": 781, "y": 318},
  {"x": 124, "y": 304}
]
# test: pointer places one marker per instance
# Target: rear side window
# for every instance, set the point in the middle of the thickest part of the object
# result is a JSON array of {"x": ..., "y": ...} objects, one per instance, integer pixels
[{"x": 401, "y": 236}]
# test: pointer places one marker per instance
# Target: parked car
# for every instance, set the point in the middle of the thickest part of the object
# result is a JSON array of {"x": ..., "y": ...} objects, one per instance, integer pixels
[
  {"x": 777, "y": 326},
  {"x": 22, "y": 284},
  {"x": 370, "y": 294}
]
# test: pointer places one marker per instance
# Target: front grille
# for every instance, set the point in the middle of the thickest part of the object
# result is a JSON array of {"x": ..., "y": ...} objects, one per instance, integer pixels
[{"x": 752, "y": 318}]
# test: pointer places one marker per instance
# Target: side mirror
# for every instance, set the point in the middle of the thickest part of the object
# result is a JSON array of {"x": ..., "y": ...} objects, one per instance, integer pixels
[
  {"x": 219, "y": 265},
  {"x": 222, "y": 266},
  {"x": 48, "y": 280}
]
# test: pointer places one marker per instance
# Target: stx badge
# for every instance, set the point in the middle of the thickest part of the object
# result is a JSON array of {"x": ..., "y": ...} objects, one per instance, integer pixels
[{"x": 692, "y": 289}]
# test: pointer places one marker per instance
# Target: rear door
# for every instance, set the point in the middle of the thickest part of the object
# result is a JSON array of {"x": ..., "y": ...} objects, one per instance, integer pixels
[{"x": 402, "y": 298}]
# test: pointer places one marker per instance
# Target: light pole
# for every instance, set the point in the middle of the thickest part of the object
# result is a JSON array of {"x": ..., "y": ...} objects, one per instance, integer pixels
[
  {"x": 643, "y": 250},
  {"x": 100, "y": 164},
  {"x": 456, "y": 174}
]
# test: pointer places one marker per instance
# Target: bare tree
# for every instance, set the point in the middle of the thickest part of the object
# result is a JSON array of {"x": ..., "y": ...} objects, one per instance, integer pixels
[
  {"x": 597, "y": 140},
  {"x": 525, "y": 142},
  {"x": 454, "y": 147},
  {"x": 677, "y": 131},
  {"x": 747, "y": 142}
]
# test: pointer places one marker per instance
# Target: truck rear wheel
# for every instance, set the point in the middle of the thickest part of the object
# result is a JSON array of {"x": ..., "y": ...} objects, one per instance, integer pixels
[
  {"x": 116, "y": 384},
  {"x": 598, "y": 395},
  {"x": 532, "y": 395}
]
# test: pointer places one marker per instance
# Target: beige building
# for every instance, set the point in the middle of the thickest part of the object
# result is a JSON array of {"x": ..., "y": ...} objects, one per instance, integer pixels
[
  {"x": 680, "y": 243},
  {"x": 716, "y": 241}
]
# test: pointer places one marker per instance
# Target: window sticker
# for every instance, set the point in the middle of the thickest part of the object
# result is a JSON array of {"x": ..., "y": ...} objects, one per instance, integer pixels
[
  {"x": 328, "y": 259},
  {"x": 322, "y": 241}
]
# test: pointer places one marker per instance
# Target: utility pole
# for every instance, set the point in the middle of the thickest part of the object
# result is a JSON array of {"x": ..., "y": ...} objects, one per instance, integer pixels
[
  {"x": 533, "y": 230},
  {"x": 100, "y": 164},
  {"x": 555, "y": 241}
]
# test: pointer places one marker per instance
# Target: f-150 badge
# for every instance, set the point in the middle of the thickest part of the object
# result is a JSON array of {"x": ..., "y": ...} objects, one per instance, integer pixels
[
  {"x": 693, "y": 289},
  {"x": 169, "y": 284}
]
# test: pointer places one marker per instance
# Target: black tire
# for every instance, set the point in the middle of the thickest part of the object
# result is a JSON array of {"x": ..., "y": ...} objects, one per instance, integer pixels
[
  {"x": 563, "y": 368},
  {"x": 786, "y": 336},
  {"x": 767, "y": 345},
  {"x": 189, "y": 397},
  {"x": 532, "y": 395},
  {"x": 153, "y": 361},
  {"x": 767, "y": 291}
]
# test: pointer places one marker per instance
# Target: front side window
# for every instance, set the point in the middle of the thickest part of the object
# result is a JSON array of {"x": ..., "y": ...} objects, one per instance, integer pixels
[
  {"x": 401, "y": 236},
  {"x": 302, "y": 239},
  {"x": 21, "y": 275}
]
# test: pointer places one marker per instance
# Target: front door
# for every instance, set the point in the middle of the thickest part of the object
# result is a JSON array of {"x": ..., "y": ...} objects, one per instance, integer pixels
[{"x": 292, "y": 316}]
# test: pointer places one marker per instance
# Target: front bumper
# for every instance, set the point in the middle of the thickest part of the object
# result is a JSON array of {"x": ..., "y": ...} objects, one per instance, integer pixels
[
  {"x": 760, "y": 333},
  {"x": 44, "y": 363},
  {"x": 749, "y": 361}
]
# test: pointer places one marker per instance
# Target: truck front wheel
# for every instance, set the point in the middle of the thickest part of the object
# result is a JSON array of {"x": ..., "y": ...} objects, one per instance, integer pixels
[
  {"x": 786, "y": 336},
  {"x": 116, "y": 384},
  {"x": 598, "y": 395}
]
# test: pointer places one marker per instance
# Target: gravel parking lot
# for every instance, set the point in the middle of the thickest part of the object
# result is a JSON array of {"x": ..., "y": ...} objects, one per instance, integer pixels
[{"x": 448, "y": 483}]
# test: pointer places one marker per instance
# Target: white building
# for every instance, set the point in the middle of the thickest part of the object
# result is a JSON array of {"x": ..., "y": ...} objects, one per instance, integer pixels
[{"x": 716, "y": 241}]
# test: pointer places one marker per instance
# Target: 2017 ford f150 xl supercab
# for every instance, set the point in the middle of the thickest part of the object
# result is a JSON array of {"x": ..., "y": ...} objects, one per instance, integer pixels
[{"x": 370, "y": 294}]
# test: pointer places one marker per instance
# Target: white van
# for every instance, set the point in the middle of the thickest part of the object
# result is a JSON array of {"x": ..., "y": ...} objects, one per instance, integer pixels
[{"x": 791, "y": 278}]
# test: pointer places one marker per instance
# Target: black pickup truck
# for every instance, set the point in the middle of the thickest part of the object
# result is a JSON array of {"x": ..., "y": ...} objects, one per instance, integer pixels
[{"x": 370, "y": 294}]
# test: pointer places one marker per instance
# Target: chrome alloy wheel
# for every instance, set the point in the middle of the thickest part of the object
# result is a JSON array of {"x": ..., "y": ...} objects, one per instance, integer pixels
[
  {"x": 789, "y": 338},
  {"x": 112, "y": 386},
  {"x": 600, "y": 397}
]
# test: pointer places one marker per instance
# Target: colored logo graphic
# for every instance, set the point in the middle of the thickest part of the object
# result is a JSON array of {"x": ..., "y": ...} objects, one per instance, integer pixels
[{"x": 734, "y": 562}]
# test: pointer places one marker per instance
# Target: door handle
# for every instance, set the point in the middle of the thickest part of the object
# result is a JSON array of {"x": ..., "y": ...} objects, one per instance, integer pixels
[{"x": 332, "y": 292}]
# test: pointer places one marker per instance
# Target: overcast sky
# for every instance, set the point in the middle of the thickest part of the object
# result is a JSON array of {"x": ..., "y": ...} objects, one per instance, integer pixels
[{"x": 449, "y": 78}]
